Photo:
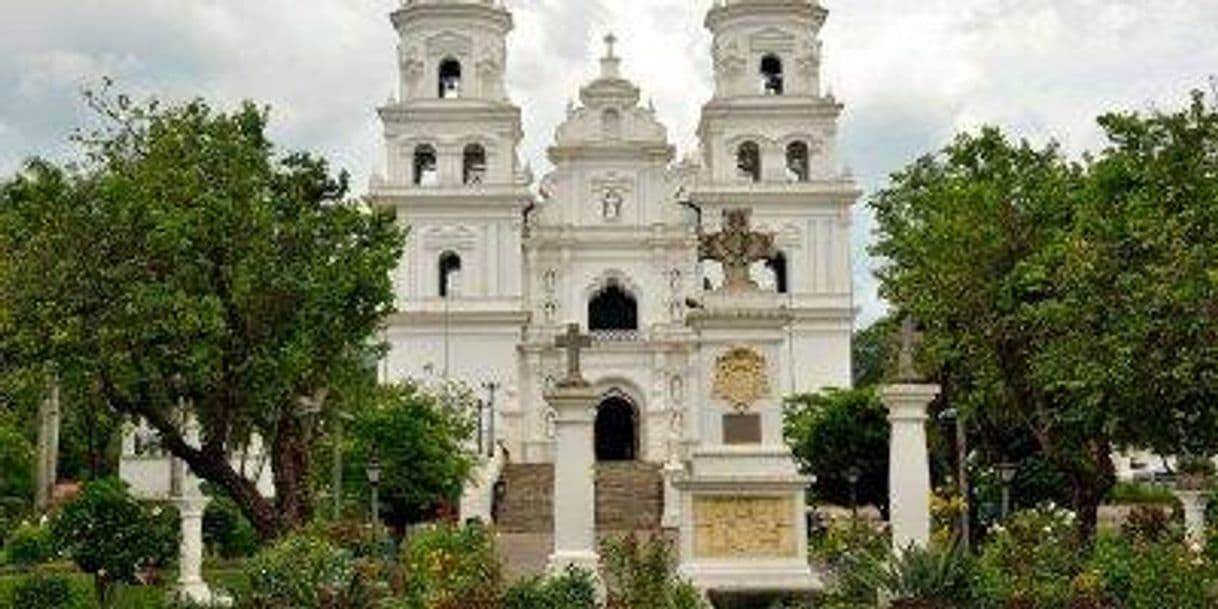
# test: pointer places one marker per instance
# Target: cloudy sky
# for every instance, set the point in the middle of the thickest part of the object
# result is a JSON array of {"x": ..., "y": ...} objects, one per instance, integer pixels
[{"x": 911, "y": 72}]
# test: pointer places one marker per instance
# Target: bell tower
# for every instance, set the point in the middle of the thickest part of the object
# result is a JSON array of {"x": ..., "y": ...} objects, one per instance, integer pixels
[
  {"x": 453, "y": 178},
  {"x": 768, "y": 141}
]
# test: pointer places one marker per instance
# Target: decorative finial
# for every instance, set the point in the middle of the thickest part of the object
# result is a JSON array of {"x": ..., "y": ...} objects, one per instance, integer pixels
[{"x": 610, "y": 41}]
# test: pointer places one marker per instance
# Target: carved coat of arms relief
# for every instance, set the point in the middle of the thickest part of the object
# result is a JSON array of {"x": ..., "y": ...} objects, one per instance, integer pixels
[{"x": 741, "y": 378}]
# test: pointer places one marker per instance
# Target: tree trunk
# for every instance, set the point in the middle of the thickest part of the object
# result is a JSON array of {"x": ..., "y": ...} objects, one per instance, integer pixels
[
  {"x": 290, "y": 466},
  {"x": 1091, "y": 475}
]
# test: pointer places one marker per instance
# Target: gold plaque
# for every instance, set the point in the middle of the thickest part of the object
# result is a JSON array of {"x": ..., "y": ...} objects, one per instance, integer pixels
[
  {"x": 744, "y": 527},
  {"x": 741, "y": 378}
]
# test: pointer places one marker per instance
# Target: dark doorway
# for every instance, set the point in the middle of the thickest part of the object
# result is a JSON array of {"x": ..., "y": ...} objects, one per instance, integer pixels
[
  {"x": 613, "y": 309},
  {"x": 616, "y": 424}
]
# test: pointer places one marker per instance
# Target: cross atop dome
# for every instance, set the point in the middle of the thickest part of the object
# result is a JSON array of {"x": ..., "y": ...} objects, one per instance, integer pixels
[{"x": 610, "y": 63}]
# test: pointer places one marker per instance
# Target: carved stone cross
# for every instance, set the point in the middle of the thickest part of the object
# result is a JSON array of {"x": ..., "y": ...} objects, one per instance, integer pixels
[
  {"x": 737, "y": 248},
  {"x": 573, "y": 342},
  {"x": 907, "y": 369}
]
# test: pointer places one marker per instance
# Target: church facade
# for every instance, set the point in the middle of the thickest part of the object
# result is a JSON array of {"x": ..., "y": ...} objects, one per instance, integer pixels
[{"x": 614, "y": 237}]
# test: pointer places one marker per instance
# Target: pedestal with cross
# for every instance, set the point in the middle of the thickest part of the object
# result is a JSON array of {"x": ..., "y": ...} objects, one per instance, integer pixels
[
  {"x": 743, "y": 526},
  {"x": 574, "y": 403}
]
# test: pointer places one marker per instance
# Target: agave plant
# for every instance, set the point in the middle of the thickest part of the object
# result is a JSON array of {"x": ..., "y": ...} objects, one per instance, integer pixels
[{"x": 920, "y": 578}]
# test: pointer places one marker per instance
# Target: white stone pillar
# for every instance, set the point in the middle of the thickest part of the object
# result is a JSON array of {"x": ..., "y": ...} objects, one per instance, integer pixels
[
  {"x": 1194, "y": 503},
  {"x": 908, "y": 464},
  {"x": 191, "y": 503},
  {"x": 190, "y": 563},
  {"x": 574, "y": 478}
]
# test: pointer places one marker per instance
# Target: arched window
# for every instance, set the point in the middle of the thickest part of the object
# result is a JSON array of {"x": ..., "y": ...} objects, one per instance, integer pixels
[
  {"x": 450, "y": 79},
  {"x": 450, "y": 274},
  {"x": 473, "y": 164},
  {"x": 425, "y": 173},
  {"x": 771, "y": 75},
  {"x": 748, "y": 161},
  {"x": 612, "y": 124},
  {"x": 613, "y": 309},
  {"x": 797, "y": 162},
  {"x": 778, "y": 266}
]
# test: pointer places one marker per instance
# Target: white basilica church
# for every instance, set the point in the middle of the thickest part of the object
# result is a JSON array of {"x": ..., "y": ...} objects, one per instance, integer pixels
[
  {"x": 709, "y": 288},
  {"x": 493, "y": 272}
]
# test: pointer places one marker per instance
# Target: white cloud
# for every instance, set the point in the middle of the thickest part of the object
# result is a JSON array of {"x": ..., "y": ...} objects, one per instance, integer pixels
[{"x": 910, "y": 73}]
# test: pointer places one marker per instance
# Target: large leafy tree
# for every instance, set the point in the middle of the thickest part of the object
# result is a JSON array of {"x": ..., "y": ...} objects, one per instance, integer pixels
[
  {"x": 188, "y": 262},
  {"x": 1072, "y": 302}
]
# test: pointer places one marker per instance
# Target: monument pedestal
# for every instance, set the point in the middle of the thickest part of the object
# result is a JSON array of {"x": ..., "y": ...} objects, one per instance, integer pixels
[
  {"x": 574, "y": 478},
  {"x": 742, "y": 521}
]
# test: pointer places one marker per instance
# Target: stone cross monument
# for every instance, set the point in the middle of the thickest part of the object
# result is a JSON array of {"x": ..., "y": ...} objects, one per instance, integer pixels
[
  {"x": 908, "y": 462},
  {"x": 574, "y": 403},
  {"x": 737, "y": 248}
]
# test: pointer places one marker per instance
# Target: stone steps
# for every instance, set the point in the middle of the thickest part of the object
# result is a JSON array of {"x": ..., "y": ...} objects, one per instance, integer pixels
[{"x": 629, "y": 497}]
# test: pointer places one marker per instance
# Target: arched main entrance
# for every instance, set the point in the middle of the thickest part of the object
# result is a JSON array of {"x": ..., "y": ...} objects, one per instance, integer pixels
[{"x": 616, "y": 430}]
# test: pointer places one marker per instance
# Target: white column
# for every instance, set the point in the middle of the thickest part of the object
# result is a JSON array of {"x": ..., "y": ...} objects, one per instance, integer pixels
[
  {"x": 190, "y": 563},
  {"x": 191, "y": 503},
  {"x": 908, "y": 464},
  {"x": 574, "y": 478},
  {"x": 1194, "y": 503}
]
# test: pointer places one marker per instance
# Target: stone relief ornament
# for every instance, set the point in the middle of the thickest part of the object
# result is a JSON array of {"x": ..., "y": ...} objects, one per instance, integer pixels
[
  {"x": 741, "y": 378},
  {"x": 740, "y": 527}
]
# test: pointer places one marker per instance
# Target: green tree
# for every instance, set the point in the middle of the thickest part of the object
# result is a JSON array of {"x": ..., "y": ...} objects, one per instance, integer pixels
[
  {"x": 421, "y": 438},
  {"x": 874, "y": 352},
  {"x": 1073, "y": 302},
  {"x": 836, "y": 430},
  {"x": 188, "y": 262}
]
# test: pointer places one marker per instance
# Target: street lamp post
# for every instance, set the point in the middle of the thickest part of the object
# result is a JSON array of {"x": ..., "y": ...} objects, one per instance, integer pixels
[
  {"x": 373, "y": 471},
  {"x": 1007, "y": 472},
  {"x": 962, "y": 482},
  {"x": 852, "y": 476}
]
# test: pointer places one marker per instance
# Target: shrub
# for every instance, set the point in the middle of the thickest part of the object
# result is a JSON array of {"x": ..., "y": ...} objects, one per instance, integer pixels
[
  {"x": 1138, "y": 574},
  {"x": 919, "y": 577},
  {"x": 1031, "y": 562},
  {"x": 450, "y": 567},
  {"x": 1151, "y": 524},
  {"x": 641, "y": 574},
  {"x": 43, "y": 592},
  {"x": 572, "y": 589},
  {"x": 301, "y": 572},
  {"x": 30, "y": 544},
  {"x": 111, "y": 535},
  {"x": 226, "y": 531}
]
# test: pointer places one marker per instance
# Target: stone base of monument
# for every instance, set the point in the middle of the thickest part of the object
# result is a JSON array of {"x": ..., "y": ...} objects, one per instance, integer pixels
[{"x": 743, "y": 526}]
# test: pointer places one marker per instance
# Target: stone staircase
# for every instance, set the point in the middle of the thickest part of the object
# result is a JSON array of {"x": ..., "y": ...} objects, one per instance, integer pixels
[
  {"x": 629, "y": 498},
  {"x": 527, "y": 502}
]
